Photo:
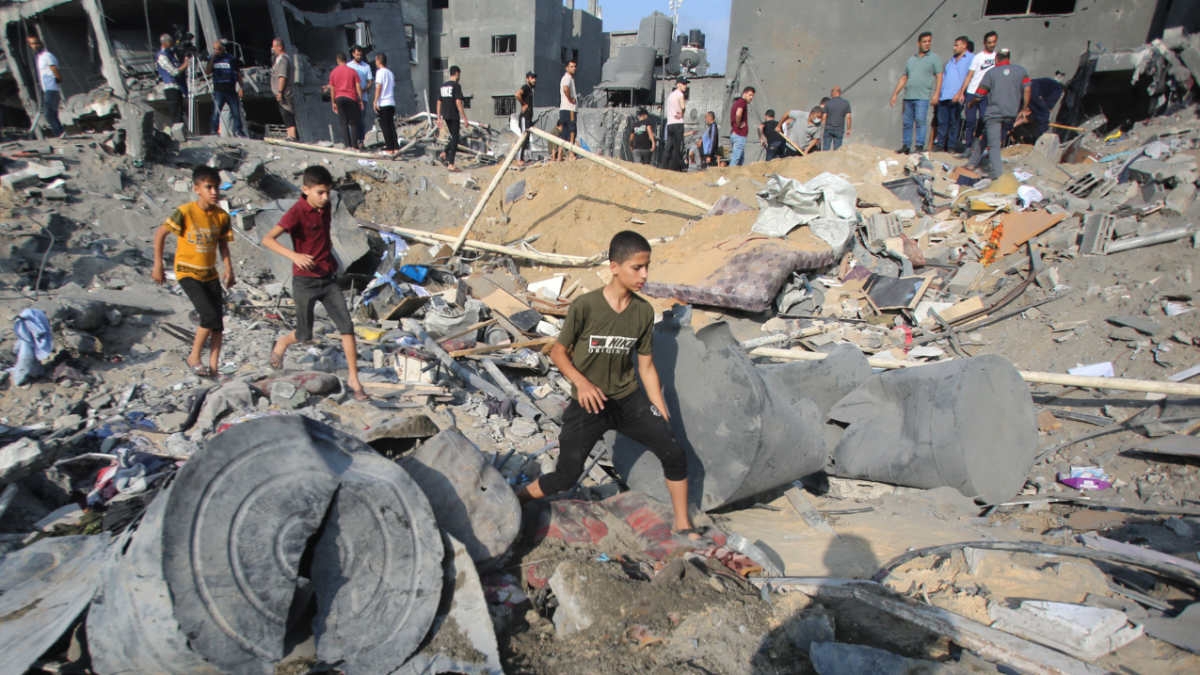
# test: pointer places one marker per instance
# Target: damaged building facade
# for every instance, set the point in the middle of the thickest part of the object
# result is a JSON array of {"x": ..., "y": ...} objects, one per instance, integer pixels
[
  {"x": 106, "y": 51},
  {"x": 862, "y": 47}
]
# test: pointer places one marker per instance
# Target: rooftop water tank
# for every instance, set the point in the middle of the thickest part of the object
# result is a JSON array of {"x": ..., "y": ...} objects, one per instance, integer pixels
[{"x": 656, "y": 31}]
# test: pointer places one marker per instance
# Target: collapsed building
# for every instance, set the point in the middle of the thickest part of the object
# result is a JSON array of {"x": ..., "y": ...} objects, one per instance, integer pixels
[{"x": 792, "y": 64}]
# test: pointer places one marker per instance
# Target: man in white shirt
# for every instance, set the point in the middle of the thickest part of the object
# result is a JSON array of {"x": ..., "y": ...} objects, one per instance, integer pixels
[
  {"x": 50, "y": 81},
  {"x": 673, "y": 158},
  {"x": 566, "y": 104},
  {"x": 359, "y": 64},
  {"x": 385, "y": 102},
  {"x": 973, "y": 103}
]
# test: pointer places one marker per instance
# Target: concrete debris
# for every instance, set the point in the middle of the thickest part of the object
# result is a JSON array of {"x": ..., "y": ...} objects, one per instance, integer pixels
[{"x": 910, "y": 338}]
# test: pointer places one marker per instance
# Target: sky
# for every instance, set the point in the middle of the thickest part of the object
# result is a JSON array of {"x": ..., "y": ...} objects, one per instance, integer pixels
[{"x": 710, "y": 16}]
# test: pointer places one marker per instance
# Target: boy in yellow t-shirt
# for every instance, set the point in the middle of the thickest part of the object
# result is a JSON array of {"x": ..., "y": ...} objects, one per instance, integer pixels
[{"x": 201, "y": 229}]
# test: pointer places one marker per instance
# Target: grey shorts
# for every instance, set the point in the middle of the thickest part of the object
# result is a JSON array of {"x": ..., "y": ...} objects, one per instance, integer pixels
[{"x": 306, "y": 291}]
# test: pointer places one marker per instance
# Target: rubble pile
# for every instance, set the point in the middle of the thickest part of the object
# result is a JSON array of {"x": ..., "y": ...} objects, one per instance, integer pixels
[{"x": 932, "y": 420}]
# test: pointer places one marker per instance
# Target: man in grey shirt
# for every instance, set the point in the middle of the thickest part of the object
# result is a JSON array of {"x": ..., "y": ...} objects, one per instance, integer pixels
[
  {"x": 837, "y": 120},
  {"x": 1006, "y": 87},
  {"x": 281, "y": 86}
]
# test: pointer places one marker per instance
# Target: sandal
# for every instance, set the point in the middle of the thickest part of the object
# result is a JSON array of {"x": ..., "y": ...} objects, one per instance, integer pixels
[
  {"x": 201, "y": 370},
  {"x": 693, "y": 534},
  {"x": 361, "y": 395},
  {"x": 276, "y": 361}
]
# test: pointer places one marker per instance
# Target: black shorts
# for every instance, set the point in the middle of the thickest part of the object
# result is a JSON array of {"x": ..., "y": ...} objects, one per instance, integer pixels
[
  {"x": 633, "y": 416},
  {"x": 306, "y": 291},
  {"x": 208, "y": 299},
  {"x": 289, "y": 117},
  {"x": 566, "y": 118}
]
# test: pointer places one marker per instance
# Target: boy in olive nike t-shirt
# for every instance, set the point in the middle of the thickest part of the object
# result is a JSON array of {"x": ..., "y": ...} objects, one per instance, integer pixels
[{"x": 595, "y": 351}]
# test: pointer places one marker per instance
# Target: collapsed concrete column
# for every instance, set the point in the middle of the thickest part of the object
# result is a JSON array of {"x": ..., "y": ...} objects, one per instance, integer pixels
[
  {"x": 109, "y": 66},
  {"x": 748, "y": 428},
  {"x": 279, "y": 25},
  {"x": 968, "y": 424},
  {"x": 471, "y": 499},
  {"x": 208, "y": 22},
  {"x": 29, "y": 98},
  {"x": 745, "y": 428},
  {"x": 235, "y": 526}
]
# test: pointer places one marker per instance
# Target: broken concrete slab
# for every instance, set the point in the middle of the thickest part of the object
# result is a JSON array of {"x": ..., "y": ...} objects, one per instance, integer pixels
[
  {"x": 1084, "y": 632},
  {"x": 44, "y": 588},
  {"x": 18, "y": 459},
  {"x": 967, "y": 424},
  {"x": 964, "y": 278},
  {"x": 570, "y": 586},
  {"x": 1181, "y": 630},
  {"x": 471, "y": 499},
  {"x": 1141, "y": 325}
]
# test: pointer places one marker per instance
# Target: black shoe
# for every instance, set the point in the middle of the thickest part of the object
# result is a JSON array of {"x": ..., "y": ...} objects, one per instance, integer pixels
[{"x": 903, "y": 150}]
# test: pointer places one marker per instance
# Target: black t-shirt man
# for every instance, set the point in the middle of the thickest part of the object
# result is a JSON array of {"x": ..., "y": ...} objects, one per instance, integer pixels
[
  {"x": 451, "y": 92},
  {"x": 641, "y": 134},
  {"x": 527, "y": 96},
  {"x": 771, "y": 131}
]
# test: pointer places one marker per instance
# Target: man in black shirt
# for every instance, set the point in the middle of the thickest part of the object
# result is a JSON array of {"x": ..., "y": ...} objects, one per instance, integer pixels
[
  {"x": 451, "y": 113},
  {"x": 772, "y": 140},
  {"x": 525, "y": 98},
  {"x": 641, "y": 138}
]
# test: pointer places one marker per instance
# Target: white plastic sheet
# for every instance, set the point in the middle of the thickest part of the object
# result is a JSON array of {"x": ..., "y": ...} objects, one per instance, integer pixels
[{"x": 827, "y": 204}]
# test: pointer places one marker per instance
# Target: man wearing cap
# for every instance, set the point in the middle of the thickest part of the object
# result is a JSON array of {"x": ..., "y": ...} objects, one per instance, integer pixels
[
  {"x": 1006, "y": 87},
  {"x": 676, "y": 103},
  {"x": 525, "y": 98}
]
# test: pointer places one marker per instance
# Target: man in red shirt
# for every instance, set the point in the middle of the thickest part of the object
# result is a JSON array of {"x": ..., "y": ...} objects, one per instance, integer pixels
[
  {"x": 345, "y": 96},
  {"x": 739, "y": 123}
]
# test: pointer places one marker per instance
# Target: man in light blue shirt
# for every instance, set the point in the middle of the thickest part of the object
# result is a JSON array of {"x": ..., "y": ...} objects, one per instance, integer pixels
[
  {"x": 950, "y": 100},
  {"x": 366, "y": 81}
]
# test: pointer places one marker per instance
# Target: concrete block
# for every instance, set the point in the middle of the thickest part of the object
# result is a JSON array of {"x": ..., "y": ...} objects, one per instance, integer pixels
[
  {"x": 837, "y": 658},
  {"x": 1083, "y": 632},
  {"x": 1182, "y": 197},
  {"x": 1048, "y": 145},
  {"x": 815, "y": 625},
  {"x": 20, "y": 179},
  {"x": 576, "y": 611},
  {"x": 1146, "y": 170},
  {"x": 18, "y": 458},
  {"x": 965, "y": 278}
]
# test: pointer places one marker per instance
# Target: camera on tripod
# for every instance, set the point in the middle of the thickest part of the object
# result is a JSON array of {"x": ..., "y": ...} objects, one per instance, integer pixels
[{"x": 185, "y": 44}]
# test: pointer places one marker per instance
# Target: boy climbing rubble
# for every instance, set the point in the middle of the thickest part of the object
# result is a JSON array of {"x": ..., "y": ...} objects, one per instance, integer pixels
[
  {"x": 595, "y": 351},
  {"x": 314, "y": 271},
  {"x": 201, "y": 229}
]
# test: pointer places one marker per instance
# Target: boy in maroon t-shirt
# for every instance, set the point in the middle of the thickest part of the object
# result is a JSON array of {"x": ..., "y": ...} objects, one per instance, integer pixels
[{"x": 314, "y": 271}]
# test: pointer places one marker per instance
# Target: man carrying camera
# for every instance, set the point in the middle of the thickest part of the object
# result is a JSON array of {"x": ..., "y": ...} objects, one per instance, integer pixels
[
  {"x": 172, "y": 71},
  {"x": 226, "y": 72}
]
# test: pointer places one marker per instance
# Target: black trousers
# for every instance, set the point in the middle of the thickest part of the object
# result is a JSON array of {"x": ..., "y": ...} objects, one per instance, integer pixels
[
  {"x": 174, "y": 98},
  {"x": 526, "y": 122},
  {"x": 633, "y": 416},
  {"x": 673, "y": 155},
  {"x": 452, "y": 127},
  {"x": 349, "y": 115},
  {"x": 387, "y": 124}
]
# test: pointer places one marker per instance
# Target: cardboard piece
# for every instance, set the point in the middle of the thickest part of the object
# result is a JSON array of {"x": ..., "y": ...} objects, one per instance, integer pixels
[{"x": 1022, "y": 226}]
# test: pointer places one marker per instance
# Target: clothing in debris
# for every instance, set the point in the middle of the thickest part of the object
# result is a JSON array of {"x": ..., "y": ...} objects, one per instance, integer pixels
[{"x": 35, "y": 342}]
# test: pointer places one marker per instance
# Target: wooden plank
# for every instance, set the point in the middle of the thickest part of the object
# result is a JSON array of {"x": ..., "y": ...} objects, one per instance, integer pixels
[
  {"x": 552, "y": 259},
  {"x": 487, "y": 349},
  {"x": 487, "y": 194}
]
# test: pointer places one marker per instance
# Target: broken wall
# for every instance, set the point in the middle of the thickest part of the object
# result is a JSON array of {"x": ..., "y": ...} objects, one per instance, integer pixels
[
  {"x": 318, "y": 36},
  {"x": 794, "y": 57}
]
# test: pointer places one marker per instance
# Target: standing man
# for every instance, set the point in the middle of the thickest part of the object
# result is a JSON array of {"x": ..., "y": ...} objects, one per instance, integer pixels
[
  {"x": 171, "y": 72},
  {"x": 921, "y": 82},
  {"x": 566, "y": 104},
  {"x": 345, "y": 96},
  {"x": 980, "y": 64},
  {"x": 51, "y": 81},
  {"x": 739, "y": 127},
  {"x": 837, "y": 120},
  {"x": 641, "y": 138},
  {"x": 281, "y": 86},
  {"x": 451, "y": 113},
  {"x": 676, "y": 104},
  {"x": 525, "y": 98},
  {"x": 1006, "y": 87},
  {"x": 385, "y": 102},
  {"x": 711, "y": 139},
  {"x": 950, "y": 98},
  {"x": 365, "y": 82},
  {"x": 226, "y": 73}
]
